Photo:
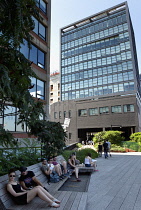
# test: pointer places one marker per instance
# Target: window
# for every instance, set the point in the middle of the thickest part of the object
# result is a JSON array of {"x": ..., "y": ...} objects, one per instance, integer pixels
[
  {"x": 60, "y": 114},
  {"x": 93, "y": 111},
  {"x": 128, "y": 108},
  {"x": 42, "y": 5},
  {"x": 82, "y": 112},
  {"x": 69, "y": 114},
  {"x": 58, "y": 86},
  {"x": 39, "y": 29},
  {"x": 55, "y": 115},
  {"x": 64, "y": 114},
  {"x": 104, "y": 110},
  {"x": 70, "y": 134},
  {"x": 38, "y": 88},
  {"x": 34, "y": 54},
  {"x": 116, "y": 109},
  {"x": 51, "y": 87}
]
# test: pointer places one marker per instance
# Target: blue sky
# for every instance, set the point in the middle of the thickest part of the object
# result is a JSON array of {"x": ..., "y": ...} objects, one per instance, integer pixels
[{"x": 65, "y": 12}]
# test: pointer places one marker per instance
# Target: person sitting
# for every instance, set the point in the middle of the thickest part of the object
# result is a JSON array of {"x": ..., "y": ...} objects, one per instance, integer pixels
[
  {"x": 55, "y": 167},
  {"x": 46, "y": 169},
  {"x": 21, "y": 196},
  {"x": 28, "y": 179},
  {"x": 77, "y": 162},
  {"x": 60, "y": 160},
  {"x": 72, "y": 167},
  {"x": 90, "y": 162}
]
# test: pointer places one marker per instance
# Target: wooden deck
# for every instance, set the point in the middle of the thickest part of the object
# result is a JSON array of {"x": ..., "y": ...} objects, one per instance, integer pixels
[{"x": 116, "y": 186}]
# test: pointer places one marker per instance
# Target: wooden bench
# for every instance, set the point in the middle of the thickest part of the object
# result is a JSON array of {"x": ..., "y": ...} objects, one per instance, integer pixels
[
  {"x": 5, "y": 199},
  {"x": 69, "y": 200}
]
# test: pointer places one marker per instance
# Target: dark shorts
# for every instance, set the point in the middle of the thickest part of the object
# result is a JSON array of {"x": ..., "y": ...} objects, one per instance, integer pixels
[
  {"x": 22, "y": 199},
  {"x": 87, "y": 165}
]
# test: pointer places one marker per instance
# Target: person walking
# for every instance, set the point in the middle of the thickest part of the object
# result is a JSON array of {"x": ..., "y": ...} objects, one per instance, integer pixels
[
  {"x": 100, "y": 149},
  {"x": 105, "y": 146},
  {"x": 109, "y": 148}
]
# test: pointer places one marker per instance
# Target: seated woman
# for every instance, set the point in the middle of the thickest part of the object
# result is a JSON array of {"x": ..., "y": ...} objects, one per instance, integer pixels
[
  {"x": 55, "y": 167},
  {"x": 72, "y": 167},
  {"x": 90, "y": 162},
  {"x": 21, "y": 196}
]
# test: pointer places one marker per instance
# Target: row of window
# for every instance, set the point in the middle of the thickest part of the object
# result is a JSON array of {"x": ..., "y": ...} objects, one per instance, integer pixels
[
  {"x": 121, "y": 77},
  {"x": 110, "y": 48},
  {"x": 101, "y": 61},
  {"x": 93, "y": 37},
  {"x": 106, "y": 109},
  {"x": 87, "y": 53},
  {"x": 93, "y": 55},
  {"x": 96, "y": 72},
  {"x": 38, "y": 90},
  {"x": 94, "y": 28},
  {"x": 39, "y": 29},
  {"x": 33, "y": 54},
  {"x": 97, "y": 91},
  {"x": 96, "y": 111}
]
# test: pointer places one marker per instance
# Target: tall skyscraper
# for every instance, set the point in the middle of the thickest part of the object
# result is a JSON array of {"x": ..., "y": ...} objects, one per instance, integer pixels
[
  {"x": 100, "y": 86},
  {"x": 98, "y": 56}
]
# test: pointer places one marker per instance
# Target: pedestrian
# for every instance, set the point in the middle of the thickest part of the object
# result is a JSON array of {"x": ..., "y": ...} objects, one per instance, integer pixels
[
  {"x": 100, "y": 149},
  {"x": 105, "y": 146},
  {"x": 109, "y": 148}
]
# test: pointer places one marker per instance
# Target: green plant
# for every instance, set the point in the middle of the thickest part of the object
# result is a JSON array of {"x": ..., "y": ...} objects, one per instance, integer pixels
[
  {"x": 79, "y": 145},
  {"x": 113, "y": 136},
  {"x": 80, "y": 154}
]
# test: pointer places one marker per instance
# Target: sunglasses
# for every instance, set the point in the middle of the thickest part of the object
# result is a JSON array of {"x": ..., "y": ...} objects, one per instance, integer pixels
[{"x": 12, "y": 175}]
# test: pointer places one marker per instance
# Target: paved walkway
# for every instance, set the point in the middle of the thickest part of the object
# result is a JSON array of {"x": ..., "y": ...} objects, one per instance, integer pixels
[{"x": 117, "y": 185}]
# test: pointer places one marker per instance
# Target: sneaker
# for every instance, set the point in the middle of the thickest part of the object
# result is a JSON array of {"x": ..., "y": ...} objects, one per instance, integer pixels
[{"x": 78, "y": 180}]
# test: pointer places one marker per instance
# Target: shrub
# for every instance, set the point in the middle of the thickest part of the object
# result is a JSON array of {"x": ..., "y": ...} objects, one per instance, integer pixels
[
  {"x": 79, "y": 145},
  {"x": 113, "y": 136},
  {"x": 80, "y": 154},
  {"x": 136, "y": 137}
]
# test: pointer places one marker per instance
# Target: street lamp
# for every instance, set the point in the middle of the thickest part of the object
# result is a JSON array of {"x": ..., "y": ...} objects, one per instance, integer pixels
[{"x": 120, "y": 126}]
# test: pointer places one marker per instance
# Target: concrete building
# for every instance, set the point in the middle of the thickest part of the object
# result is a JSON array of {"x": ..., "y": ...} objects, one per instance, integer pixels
[
  {"x": 100, "y": 86},
  {"x": 54, "y": 87},
  {"x": 39, "y": 54}
]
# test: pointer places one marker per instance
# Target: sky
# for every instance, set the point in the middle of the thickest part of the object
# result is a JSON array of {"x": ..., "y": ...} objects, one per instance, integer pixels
[{"x": 65, "y": 12}]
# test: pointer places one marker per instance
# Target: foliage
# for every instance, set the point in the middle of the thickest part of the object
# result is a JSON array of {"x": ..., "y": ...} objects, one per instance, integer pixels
[
  {"x": 116, "y": 148},
  {"x": 80, "y": 154},
  {"x": 15, "y": 70},
  {"x": 14, "y": 158},
  {"x": 50, "y": 134},
  {"x": 79, "y": 145},
  {"x": 131, "y": 145},
  {"x": 136, "y": 137},
  {"x": 113, "y": 136}
]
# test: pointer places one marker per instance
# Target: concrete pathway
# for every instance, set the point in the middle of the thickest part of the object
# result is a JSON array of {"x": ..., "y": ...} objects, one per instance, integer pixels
[{"x": 117, "y": 185}]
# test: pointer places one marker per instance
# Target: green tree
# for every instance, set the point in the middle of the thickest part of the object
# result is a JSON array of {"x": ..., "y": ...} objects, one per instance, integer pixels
[
  {"x": 50, "y": 134},
  {"x": 113, "y": 136},
  {"x": 15, "y": 70},
  {"x": 136, "y": 137}
]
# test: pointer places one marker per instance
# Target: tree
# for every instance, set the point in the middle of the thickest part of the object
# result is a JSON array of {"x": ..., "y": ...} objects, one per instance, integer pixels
[
  {"x": 50, "y": 134},
  {"x": 15, "y": 70},
  {"x": 113, "y": 136}
]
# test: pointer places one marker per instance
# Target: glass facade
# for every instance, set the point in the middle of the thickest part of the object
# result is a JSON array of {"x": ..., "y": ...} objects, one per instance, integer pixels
[
  {"x": 38, "y": 90},
  {"x": 96, "y": 58},
  {"x": 33, "y": 54}
]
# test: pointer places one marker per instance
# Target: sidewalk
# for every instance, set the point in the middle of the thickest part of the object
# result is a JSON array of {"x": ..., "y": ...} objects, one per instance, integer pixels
[{"x": 117, "y": 185}]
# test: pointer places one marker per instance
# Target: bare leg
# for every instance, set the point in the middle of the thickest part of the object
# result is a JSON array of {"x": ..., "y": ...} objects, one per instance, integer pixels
[
  {"x": 76, "y": 172},
  {"x": 64, "y": 164},
  {"x": 58, "y": 170},
  {"x": 37, "y": 191}
]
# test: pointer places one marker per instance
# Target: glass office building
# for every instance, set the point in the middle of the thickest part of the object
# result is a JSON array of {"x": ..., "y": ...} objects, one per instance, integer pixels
[{"x": 98, "y": 56}]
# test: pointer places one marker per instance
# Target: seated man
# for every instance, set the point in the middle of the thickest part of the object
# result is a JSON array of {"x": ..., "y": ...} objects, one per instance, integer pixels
[
  {"x": 28, "y": 179},
  {"x": 46, "y": 169}
]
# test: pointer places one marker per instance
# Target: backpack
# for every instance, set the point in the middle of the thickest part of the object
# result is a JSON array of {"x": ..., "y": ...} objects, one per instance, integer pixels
[{"x": 54, "y": 177}]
